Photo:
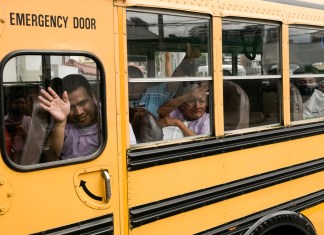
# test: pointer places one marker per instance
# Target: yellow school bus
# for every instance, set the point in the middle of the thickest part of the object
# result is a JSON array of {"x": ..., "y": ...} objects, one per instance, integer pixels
[{"x": 162, "y": 117}]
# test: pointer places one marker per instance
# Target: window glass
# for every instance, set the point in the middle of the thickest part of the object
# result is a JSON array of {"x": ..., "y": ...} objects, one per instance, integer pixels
[
  {"x": 41, "y": 122},
  {"x": 251, "y": 79},
  {"x": 306, "y": 56},
  {"x": 169, "y": 75}
]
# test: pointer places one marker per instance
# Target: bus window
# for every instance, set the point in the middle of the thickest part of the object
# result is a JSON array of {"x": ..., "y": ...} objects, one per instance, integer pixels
[
  {"x": 250, "y": 49},
  {"x": 165, "y": 52},
  {"x": 36, "y": 110},
  {"x": 306, "y": 51}
]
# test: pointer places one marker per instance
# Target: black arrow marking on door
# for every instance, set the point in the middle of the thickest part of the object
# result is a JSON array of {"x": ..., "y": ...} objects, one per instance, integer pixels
[{"x": 87, "y": 191}]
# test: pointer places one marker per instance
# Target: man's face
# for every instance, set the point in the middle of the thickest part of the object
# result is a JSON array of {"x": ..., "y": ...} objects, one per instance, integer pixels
[
  {"x": 83, "y": 109},
  {"x": 195, "y": 108},
  {"x": 18, "y": 106}
]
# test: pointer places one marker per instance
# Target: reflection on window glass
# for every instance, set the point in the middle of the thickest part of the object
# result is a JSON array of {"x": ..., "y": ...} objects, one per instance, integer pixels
[
  {"x": 169, "y": 75},
  {"x": 250, "y": 51},
  {"x": 306, "y": 69},
  {"x": 42, "y": 123}
]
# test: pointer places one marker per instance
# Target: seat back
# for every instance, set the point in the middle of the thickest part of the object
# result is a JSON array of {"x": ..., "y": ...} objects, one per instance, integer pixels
[
  {"x": 145, "y": 125},
  {"x": 296, "y": 104},
  {"x": 236, "y": 107}
]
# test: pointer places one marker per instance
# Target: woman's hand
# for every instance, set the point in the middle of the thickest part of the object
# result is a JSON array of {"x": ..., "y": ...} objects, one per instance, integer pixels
[{"x": 167, "y": 121}]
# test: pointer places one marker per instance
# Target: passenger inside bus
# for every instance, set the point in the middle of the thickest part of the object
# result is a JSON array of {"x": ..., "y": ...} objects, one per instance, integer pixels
[
  {"x": 76, "y": 119},
  {"x": 187, "y": 112},
  {"x": 306, "y": 86},
  {"x": 17, "y": 124},
  {"x": 312, "y": 97},
  {"x": 159, "y": 94}
]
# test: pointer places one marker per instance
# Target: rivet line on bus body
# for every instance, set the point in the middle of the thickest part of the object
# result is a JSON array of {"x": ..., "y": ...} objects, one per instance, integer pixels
[
  {"x": 1, "y": 182},
  {"x": 2, "y": 20},
  {"x": 9, "y": 194},
  {"x": 1, "y": 208}
]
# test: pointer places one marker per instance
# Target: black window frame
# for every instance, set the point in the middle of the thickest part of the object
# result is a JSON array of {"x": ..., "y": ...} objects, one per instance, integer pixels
[{"x": 102, "y": 109}]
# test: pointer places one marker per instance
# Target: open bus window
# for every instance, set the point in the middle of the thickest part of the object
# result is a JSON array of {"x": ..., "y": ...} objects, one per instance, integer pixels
[
  {"x": 59, "y": 125},
  {"x": 165, "y": 52},
  {"x": 252, "y": 88},
  {"x": 306, "y": 50}
]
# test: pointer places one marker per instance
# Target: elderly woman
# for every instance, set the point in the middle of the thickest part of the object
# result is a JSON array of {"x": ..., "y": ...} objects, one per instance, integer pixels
[{"x": 187, "y": 112}]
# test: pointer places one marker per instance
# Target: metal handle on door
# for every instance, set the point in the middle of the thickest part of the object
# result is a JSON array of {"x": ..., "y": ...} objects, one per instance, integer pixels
[{"x": 106, "y": 177}]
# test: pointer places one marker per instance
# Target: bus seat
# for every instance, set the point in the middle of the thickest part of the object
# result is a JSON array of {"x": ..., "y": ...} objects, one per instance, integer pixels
[
  {"x": 145, "y": 125},
  {"x": 296, "y": 104},
  {"x": 236, "y": 107}
]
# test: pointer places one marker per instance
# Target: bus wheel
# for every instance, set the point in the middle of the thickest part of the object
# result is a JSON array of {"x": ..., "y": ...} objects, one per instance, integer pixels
[{"x": 282, "y": 223}]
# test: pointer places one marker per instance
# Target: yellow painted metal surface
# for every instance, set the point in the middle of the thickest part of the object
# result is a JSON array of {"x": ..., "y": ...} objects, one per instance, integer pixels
[
  {"x": 225, "y": 211},
  {"x": 178, "y": 178},
  {"x": 56, "y": 199},
  {"x": 316, "y": 215},
  {"x": 6, "y": 195}
]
